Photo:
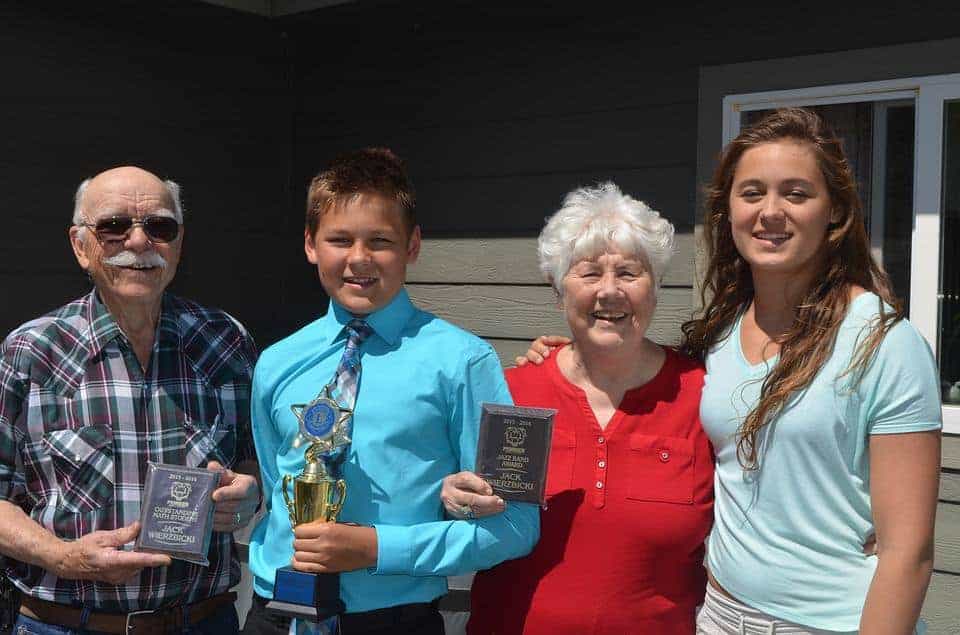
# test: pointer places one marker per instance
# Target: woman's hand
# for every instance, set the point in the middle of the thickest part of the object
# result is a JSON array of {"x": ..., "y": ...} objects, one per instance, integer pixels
[
  {"x": 540, "y": 349},
  {"x": 467, "y": 496}
]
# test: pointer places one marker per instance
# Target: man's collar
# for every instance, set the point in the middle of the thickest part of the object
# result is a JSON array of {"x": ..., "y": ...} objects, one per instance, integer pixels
[
  {"x": 104, "y": 328},
  {"x": 387, "y": 322}
]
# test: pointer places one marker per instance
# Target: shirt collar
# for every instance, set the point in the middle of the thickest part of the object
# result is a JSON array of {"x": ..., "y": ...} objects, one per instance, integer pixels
[
  {"x": 387, "y": 322},
  {"x": 104, "y": 328}
]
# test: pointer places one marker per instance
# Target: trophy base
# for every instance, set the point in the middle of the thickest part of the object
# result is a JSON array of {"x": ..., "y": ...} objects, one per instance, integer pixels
[{"x": 312, "y": 596}]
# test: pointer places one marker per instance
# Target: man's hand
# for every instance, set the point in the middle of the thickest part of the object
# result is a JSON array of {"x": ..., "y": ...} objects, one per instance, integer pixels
[
  {"x": 466, "y": 495},
  {"x": 540, "y": 349},
  {"x": 235, "y": 501},
  {"x": 97, "y": 556},
  {"x": 322, "y": 547}
]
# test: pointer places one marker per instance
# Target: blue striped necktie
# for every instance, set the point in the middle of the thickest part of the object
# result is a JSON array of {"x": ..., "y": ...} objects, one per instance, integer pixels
[{"x": 347, "y": 379}]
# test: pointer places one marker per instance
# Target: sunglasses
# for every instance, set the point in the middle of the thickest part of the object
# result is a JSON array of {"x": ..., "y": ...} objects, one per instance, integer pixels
[{"x": 159, "y": 229}]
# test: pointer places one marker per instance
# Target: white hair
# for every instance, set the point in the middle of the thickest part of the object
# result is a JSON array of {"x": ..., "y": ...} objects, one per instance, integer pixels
[
  {"x": 593, "y": 220},
  {"x": 78, "y": 218}
]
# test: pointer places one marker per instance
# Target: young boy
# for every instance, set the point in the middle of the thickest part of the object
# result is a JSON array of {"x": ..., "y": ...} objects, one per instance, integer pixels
[{"x": 421, "y": 383}]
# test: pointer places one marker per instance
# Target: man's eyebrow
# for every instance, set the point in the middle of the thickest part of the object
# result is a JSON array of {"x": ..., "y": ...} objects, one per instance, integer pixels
[{"x": 109, "y": 212}]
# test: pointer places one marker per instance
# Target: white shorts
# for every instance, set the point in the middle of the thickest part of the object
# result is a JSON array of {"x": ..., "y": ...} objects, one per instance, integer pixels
[{"x": 721, "y": 615}]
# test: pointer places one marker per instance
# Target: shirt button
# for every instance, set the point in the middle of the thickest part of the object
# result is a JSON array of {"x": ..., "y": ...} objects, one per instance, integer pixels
[
  {"x": 664, "y": 456},
  {"x": 600, "y": 440},
  {"x": 601, "y": 464},
  {"x": 599, "y": 484}
]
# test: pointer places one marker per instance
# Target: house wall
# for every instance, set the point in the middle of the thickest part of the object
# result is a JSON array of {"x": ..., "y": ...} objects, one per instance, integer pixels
[
  {"x": 942, "y": 607},
  {"x": 193, "y": 92},
  {"x": 500, "y": 108}
]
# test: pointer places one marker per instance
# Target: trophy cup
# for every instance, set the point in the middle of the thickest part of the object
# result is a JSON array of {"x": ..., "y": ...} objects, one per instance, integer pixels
[{"x": 317, "y": 495}]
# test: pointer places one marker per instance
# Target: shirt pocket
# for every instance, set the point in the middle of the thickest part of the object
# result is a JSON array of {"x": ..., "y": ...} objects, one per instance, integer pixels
[
  {"x": 83, "y": 462},
  {"x": 209, "y": 442},
  {"x": 661, "y": 469},
  {"x": 563, "y": 450}
]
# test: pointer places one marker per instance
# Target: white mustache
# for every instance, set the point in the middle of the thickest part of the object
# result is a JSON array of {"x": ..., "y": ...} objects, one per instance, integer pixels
[{"x": 129, "y": 258}]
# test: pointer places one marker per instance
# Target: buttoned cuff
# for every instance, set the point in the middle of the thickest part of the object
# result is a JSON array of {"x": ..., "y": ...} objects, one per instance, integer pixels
[{"x": 394, "y": 551}]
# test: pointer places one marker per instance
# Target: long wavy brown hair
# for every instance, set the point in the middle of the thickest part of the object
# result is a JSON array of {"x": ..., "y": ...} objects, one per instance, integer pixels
[{"x": 846, "y": 262}]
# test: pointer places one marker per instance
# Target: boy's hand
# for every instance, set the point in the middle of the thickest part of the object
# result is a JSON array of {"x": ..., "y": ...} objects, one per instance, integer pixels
[
  {"x": 467, "y": 496},
  {"x": 540, "y": 349},
  {"x": 322, "y": 547}
]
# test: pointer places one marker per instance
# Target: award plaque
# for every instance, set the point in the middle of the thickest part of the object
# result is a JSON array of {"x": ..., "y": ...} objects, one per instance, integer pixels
[
  {"x": 176, "y": 515},
  {"x": 514, "y": 449}
]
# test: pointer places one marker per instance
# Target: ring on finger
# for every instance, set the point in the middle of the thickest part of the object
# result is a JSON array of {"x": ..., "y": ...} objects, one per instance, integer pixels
[
  {"x": 466, "y": 511},
  {"x": 236, "y": 519}
]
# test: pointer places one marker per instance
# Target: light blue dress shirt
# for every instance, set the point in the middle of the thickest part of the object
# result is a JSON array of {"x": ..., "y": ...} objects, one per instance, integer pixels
[{"x": 415, "y": 421}]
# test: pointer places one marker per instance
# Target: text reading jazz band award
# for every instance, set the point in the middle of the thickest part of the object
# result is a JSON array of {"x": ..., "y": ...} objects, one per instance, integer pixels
[
  {"x": 176, "y": 515},
  {"x": 317, "y": 495},
  {"x": 513, "y": 451}
]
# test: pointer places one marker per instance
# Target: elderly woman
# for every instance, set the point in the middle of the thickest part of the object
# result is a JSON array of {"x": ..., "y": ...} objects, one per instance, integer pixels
[{"x": 630, "y": 482}]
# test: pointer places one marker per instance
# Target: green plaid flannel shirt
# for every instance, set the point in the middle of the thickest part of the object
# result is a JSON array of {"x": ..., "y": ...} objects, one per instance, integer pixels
[{"x": 80, "y": 418}]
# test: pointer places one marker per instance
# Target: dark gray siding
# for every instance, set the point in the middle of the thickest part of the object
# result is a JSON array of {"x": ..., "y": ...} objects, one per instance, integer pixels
[
  {"x": 190, "y": 91},
  {"x": 500, "y": 108}
]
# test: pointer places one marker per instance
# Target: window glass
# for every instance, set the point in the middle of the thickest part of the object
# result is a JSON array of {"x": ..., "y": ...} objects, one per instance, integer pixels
[{"x": 949, "y": 292}]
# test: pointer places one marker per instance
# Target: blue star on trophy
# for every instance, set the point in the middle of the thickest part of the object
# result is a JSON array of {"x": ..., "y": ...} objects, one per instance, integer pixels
[{"x": 318, "y": 494}]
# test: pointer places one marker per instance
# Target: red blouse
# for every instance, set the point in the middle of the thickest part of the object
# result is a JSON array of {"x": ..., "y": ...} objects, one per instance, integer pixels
[{"x": 628, "y": 508}]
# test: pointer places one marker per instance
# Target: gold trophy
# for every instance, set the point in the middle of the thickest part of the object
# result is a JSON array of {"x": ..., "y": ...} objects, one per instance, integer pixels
[{"x": 317, "y": 495}]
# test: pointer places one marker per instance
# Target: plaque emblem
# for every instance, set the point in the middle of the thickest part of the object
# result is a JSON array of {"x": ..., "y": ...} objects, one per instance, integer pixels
[
  {"x": 180, "y": 491},
  {"x": 515, "y": 436}
]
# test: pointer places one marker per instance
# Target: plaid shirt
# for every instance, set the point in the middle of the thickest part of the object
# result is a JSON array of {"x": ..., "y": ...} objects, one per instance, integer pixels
[{"x": 80, "y": 418}]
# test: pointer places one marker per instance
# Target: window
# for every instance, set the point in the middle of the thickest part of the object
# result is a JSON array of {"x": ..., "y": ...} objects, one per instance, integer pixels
[{"x": 903, "y": 141}]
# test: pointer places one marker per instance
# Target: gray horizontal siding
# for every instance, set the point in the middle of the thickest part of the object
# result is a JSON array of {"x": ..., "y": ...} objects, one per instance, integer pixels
[
  {"x": 942, "y": 607},
  {"x": 512, "y": 261},
  {"x": 525, "y": 312}
]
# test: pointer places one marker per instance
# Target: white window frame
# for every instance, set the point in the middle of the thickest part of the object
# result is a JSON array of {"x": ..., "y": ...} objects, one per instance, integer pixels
[{"x": 928, "y": 94}]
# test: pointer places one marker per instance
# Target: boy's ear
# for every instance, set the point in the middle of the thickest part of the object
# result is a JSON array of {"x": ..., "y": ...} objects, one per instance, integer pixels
[
  {"x": 309, "y": 247},
  {"x": 413, "y": 245}
]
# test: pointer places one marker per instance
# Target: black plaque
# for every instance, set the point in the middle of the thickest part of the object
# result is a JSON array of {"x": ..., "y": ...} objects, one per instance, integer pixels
[
  {"x": 514, "y": 449},
  {"x": 176, "y": 515}
]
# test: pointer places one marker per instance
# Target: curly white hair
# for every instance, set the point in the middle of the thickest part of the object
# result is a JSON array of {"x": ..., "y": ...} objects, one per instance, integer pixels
[{"x": 591, "y": 221}]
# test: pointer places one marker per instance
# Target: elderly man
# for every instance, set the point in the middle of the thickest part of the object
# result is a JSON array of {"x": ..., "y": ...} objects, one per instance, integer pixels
[{"x": 92, "y": 391}]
